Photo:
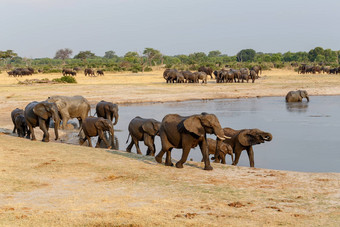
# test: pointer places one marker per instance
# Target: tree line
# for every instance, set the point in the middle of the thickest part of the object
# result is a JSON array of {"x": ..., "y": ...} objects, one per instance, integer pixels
[{"x": 140, "y": 62}]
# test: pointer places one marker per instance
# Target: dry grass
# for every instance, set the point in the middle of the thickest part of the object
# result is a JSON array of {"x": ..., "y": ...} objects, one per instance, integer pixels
[{"x": 54, "y": 184}]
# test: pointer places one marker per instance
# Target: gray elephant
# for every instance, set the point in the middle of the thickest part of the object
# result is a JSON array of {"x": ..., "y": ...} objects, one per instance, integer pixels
[
  {"x": 186, "y": 75},
  {"x": 16, "y": 112},
  {"x": 39, "y": 114},
  {"x": 257, "y": 69},
  {"x": 89, "y": 72},
  {"x": 223, "y": 150},
  {"x": 297, "y": 96},
  {"x": 252, "y": 75},
  {"x": 71, "y": 107},
  {"x": 21, "y": 125},
  {"x": 142, "y": 129},
  {"x": 187, "y": 132},
  {"x": 96, "y": 126},
  {"x": 244, "y": 140},
  {"x": 107, "y": 110}
]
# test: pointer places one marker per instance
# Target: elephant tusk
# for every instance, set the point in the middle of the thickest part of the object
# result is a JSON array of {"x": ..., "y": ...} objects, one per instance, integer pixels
[
  {"x": 227, "y": 137},
  {"x": 221, "y": 138}
]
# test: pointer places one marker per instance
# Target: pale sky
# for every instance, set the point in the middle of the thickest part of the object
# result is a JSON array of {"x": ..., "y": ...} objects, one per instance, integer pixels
[{"x": 38, "y": 28}]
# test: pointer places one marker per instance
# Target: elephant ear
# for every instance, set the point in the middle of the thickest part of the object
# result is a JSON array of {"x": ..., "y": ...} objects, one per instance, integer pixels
[
  {"x": 149, "y": 128},
  {"x": 193, "y": 124},
  {"x": 246, "y": 138},
  {"x": 61, "y": 104},
  {"x": 41, "y": 111},
  {"x": 100, "y": 124}
]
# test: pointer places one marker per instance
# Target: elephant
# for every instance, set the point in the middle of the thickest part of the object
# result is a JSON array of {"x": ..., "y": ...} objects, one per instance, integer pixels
[
  {"x": 237, "y": 74},
  {"x": 252, "y": 75},
  {"x": 186, "y": 75},
  {"x": 244, "y": 140},
  {"x": 207, "y": 70},
  {"x": 187, "y": 132},
  {"x": 192, "y": 78},
  {"x": 100, "y": 72},
  {"x": 71, "y": 107},
  {"x": 172, "y": 75},
  {"x": 16, "y": 112},
  {"x": 180, "y": 78},
  {"x": 202, "y": 76},
  {"x": 96, "y": 126},
  {"x": 89, "y": 72},
  {"x": 21, "y": 126},
  {"x": 224, "y": 149},
  {"x": 257, "y": 69},
  {"x": 297, "y": 96},
  {"x": 39, "y": 114},
  {"x": 107, "y": 110},
  {"x": 69, "y": 72},
  {"x": 142, "y": 129}
]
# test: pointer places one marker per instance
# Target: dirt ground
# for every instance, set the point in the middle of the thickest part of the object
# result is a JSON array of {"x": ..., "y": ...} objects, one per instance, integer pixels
[{"x": 55, "y": 184}]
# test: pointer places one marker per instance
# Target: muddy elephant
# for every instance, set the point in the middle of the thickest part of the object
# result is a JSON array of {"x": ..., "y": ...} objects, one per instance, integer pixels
[
  {"x": 71, "y": 107},
  {"x": 202, "y": 76},
  {"x": 16, "y": 112},
  {"x": 223, "y": 150},
  {"x": 244, "y": 140},
  {"x": 96, "y": 126},
  {"x": 141, "y": 129},
  {"x": 187, "y": 132},
  {"x": 107, "y": 110},
  {"x": 89, "y": 72},
  {"x": 297, "y": 96},
  {"x": 207, "y": 70},
  {"x": 39, "y": 114}
]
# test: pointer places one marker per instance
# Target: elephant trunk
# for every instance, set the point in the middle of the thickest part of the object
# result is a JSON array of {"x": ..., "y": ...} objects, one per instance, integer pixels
[
  {"x": 56, "y": 119},
  {"x": 116, "y": 116},
  {"x": 220, "y": 134},
  {"x": 307, "y": 97},
  {"x": 267, "y": 137}
]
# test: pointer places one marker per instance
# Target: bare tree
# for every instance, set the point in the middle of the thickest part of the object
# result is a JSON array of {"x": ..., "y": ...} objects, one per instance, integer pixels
[{"x": 63, "y": 54}]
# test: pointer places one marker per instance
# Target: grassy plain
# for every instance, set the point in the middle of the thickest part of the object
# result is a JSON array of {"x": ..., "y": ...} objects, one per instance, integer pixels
[{"x": 54, "y": 184}]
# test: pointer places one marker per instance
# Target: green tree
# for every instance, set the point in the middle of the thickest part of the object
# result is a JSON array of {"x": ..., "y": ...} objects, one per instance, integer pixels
[
  {"x": 330, "y": 56},
  {"x": 313, "y": 53},
  {"x": 132, "y": 57},
  {"x": 83, "y": 55},
  {"x": 320, "y": 58},
  {"x": 110, "y": 54},
  {"x": 6, "y": 56},
  {"x": 246, "y": 55},
  {"x": 152, "y": 55},
  {"x": 197, "y": 58},
  {"x": 214, "y": 53},
  {"x": 276, "y": 57}
]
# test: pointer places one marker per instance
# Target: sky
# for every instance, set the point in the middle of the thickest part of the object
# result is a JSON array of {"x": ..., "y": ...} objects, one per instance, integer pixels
[{"x": 38, "y": 28}]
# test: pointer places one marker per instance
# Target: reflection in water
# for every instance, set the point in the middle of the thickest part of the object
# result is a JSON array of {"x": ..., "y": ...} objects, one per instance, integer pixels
[{"x": 298, "y": 107}]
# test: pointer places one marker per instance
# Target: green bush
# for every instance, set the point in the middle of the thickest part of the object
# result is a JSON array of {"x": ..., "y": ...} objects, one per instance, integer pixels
[
  {"x": 147, "y": 69},
  {"x": 65, "y": 79}
]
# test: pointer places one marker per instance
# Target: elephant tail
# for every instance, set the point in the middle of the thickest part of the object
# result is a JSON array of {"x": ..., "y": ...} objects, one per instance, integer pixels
[{"x": 128, "y": 138}]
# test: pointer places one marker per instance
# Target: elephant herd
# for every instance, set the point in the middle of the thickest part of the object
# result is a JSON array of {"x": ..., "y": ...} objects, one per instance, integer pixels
[
  {"x": 222, "y": 76},
  {"x": 87, "y": 72},
  {"x": 313, "y": 69},
  {"x": 175, "y": 131},
  {"x": 21, "y": 72}
]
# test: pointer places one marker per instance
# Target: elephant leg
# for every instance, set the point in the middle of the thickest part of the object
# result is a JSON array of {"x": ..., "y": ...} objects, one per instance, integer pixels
[
  {"x": 168, "y": 161},
  {"x": 223, "y": 158},
  {"x": 89, "y": 140},
  {"x": 30, "y": 129},
  {"x": 148, "y": 141},
  {"x": 42, "y": 126},
  {"x": 65, "y": 117},
  {"x": 205, "y": 154},
  {"x": 250, "y": 152},
  {"x": 14, "y": 129},
  {"x": 128, "y": 149},
  {"x": 98, "y": 142},
  {"x": 102, "y": 137},
  {"x": 186, "y": 150},
  {"x": 135, "y": 141}
]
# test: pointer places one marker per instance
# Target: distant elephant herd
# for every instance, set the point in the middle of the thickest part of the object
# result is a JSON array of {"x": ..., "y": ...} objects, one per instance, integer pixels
[
  {"x": 87, "y": 72},
  {"x": 175, "y": 131},
  {"x": 313, "y": 69},
  {"x": 225, "y": 75}
]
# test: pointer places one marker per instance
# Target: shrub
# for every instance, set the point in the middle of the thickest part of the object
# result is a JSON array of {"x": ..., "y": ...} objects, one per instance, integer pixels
[
  {"x": 65, "y": 79},
  {"x": 147, "y": 69}
]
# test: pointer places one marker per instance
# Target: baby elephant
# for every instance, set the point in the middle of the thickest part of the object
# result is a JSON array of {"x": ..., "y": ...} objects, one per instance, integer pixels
[
  {"x": 224, "y": 149},
  {"x": 96, "y": 126},
  {"x": 16, "y": 112},
  {"x": 297, "y": 96},
  {"x": 21, "y": 125},
  {"x": 142, "y": 129}
]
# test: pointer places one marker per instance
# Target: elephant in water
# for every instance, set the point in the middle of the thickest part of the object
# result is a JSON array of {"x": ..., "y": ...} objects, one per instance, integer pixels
[
  {"x": 107, "y": 110},
  {"x": 187, "y": 132},
  {"x": 71, "y": 107},
  {"x": 142, "y": 129},
  {"x": 96, "y": 126},
  {"x": 39, "y": 114},
  {"x": 244, "y": 140},
  {"x": 297, "y": 96}
]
